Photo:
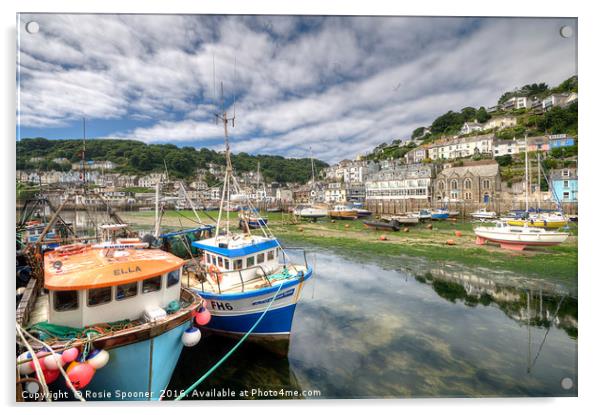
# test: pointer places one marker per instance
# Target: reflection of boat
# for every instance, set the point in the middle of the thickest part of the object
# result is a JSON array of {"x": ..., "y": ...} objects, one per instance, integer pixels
[
  {"x": 121, "y": 299},
  {"x": 439, "y": 214},
  {"x": 382, "y": 225},
  {"x": 483, "y": 214},
  {"x": 342, "y": 212},
  {"x": 518, "y": 237}
]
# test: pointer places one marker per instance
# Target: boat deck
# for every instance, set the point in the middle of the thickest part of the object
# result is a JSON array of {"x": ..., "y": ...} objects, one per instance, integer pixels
[{"x": 192, "y": 280}]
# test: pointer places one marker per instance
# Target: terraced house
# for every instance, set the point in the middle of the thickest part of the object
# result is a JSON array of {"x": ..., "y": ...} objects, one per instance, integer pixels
[
  {"x": 477, "y": 181},
  {"x": 461, "y": 147},
  {"x": 401, "y": 182}
]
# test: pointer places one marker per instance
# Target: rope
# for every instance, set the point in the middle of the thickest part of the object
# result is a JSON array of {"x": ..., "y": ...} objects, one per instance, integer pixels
[
  {"x": 227, "y": 355},
  {"x": 36, "y": 364}
]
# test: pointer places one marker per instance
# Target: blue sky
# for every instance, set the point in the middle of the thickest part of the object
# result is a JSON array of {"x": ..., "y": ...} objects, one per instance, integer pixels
[{"x": 340, "y": 85}]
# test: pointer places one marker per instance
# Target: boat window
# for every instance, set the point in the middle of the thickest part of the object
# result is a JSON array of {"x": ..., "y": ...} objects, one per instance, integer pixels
[
  {"x": 173, "y": 278},
  {"x": 238, "y": 264},
  {"x": 220, "y": 262},
  {"x": 151, "y": 285},
  {"x": 214, "y": 260},
  {"x": 65, "y": 300},
  {"x": 126, "y": 291},
  {"x": 98, "y": 296},
  {"x": 208, "y": 258},
  {"x": 260, "y": 258},
  {"x": 226, "y": 263},
  {"x": 250, "y": 261},
  {"x": 270, "y": 255}
]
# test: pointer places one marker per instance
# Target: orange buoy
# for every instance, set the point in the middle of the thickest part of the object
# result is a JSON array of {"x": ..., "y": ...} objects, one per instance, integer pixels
[
  {"x": 346, "y": 226},
  {"x": 406, "y": 229},
  {"x": 458, "y": 233},
  {"x": 383, "y": 238},
  {"x": 429, "y": 226},
  {"x": 450, "y": 242},
  {"x": 300, "y": 229}
]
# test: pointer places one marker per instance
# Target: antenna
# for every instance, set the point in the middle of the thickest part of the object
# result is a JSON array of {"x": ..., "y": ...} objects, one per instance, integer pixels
[{"x": 84, "y": 155}]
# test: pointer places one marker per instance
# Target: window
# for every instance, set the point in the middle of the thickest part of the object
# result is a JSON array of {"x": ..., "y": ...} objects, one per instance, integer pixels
[
  {"x": 270, "y": 255},
  {"x": 565, "y": 195},
  {"x": 214, "y": 260},
  {"x": 220, "y": 262},
  {"x": 467, "y": 184},
  {"x": 566, "y": 184},
  {"x": 467, "y": 195},
  {"x": 485, "y": 184},
  {"x": 173, "y": 278},
  {"x": 566, "y": 173},
  {"x": 151, "y": 285},
  {"x": 238, "y": 264},
  {"x": 442, "y": 185},
  {"x": 98, "y": 296},
  {"x": 454, "y": 184},
  {"x": 65, "y": 300},
  {"x": 126, "y": 291},
  {"x": 260, "y": 258},
  {"x": 226, "y": 263},
  {"x": 250, "y": 261}
]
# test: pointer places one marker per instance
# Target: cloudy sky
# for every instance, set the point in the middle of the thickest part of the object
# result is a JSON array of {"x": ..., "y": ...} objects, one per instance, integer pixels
[{"x": 340, "y": 85}]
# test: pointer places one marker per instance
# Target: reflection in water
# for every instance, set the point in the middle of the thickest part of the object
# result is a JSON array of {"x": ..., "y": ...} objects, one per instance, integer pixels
[{"x": 365, "y": 329}]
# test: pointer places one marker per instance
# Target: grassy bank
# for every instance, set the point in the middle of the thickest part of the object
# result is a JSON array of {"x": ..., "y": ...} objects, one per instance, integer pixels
[{"x": 558, "y": 263}]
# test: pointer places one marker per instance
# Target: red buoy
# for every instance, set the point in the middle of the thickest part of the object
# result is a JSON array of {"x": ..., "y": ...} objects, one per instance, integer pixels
[
  {"x": 203, "y": 317},
  {"x": 80, "y": 374}
]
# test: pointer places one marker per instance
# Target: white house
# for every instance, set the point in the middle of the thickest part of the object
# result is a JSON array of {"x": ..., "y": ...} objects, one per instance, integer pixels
[
  {"x": 499, "y": 123},
  {"x": 470, "y": 127},
  {"x": 461, "y": 147},
  {"x": 401, "y": 182}
]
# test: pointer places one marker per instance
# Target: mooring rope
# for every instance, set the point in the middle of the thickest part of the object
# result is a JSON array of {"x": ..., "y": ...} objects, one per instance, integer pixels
[{"x": 227, "y": 355}]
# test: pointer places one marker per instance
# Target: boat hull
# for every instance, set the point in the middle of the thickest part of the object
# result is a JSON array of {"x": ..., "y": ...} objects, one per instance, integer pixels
[
  {"x": 518, "y": 241},
  {"x": 138, "y": 371},
  {"x": 439, "y": 216},
  {"x": 538, "y": 223},
  {"x": 342, "y": 215},
  {"x": 235, "y": 314}
]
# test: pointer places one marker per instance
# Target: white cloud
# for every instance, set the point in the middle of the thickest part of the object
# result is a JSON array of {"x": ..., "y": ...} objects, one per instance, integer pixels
[{"x": 339, "y": 84}]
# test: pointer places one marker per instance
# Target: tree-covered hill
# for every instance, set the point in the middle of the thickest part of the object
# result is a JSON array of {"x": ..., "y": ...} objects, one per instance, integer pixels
[{"x": 135, "y": 157}]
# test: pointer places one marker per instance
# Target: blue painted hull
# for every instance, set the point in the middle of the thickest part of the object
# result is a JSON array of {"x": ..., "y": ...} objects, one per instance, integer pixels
[
  {"x": 138, "y": 371},
  {"x": 439, "y": 216},
  {"x": 236, "y": 313}
]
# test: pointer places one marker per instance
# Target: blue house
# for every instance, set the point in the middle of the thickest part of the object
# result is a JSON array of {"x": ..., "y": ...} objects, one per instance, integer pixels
[
  {"x": 564, "y": 185},
  {"x": 560, "y": 140}
]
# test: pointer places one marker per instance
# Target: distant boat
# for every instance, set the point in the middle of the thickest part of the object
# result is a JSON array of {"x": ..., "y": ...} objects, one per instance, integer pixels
[
  {"x": 274, "y": 209},
  {"x": 310, "y": 212},
  {"x": 361, "y": 213},
  {"x": 422, "y": 214},
  {"x": 342, "y": 212},
  {"x": 518, "y": 237},
  {"x": 439, "y": 214},
  {"x": 483, "y": 214},
  {"x": 402, "y": 220},
  {"x": 453, "y": 213},
  {"x": 382, "y": 225},
  {"x": 541, "y": 220}
]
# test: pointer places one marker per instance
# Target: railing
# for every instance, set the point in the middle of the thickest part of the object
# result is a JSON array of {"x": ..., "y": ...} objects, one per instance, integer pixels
[
  {"x": 239, "y": 271},
  {"x": 294, "y": 248}
]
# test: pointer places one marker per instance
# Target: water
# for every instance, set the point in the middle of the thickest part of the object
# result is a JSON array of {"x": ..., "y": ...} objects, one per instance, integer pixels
[{"x": 399, "y": 328}]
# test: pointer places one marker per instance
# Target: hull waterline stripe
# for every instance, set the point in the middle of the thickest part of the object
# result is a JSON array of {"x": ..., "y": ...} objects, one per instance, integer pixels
[{"x": 227, "y": 355}]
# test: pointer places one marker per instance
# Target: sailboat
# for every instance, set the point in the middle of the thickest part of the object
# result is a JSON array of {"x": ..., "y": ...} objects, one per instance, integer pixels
[
  {"x": 244, "y": 276},
  {"x": 311, "y": 210}
]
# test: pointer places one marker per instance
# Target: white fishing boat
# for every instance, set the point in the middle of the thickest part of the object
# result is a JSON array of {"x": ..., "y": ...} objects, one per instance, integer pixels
[
  {"x": 308, "y": 211},
  {"x": 422, "y": 214},
  {"x": 483, "y": 213},
  {"x": 518, "y": 238},
  {"x": 342, "y": 212}
]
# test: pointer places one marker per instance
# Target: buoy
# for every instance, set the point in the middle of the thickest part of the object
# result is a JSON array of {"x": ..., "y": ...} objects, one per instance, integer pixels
[
  {"x": 383, "y": 238},
  {"x": 300, "y": 229},
  {"x": 203, "y": 317},
  {"x": 406, "y": 230},
  {"x": 70, "y": 355},
  {"x": 332, "y": 221},
  {"x": 458, "y": 233},
  {"x": 40, "y": 359},
  {"x": 429, "y": 226},
  {"x": 80, "y": 374},
  {"x": 49, "y": 375},
  {"x": 98, "y": 358},
  {"x": 450, "y": 242},
  {"x": 53, "y": 362},
  {"x": 191, "y": 336},
  {"x": 25, "y": 368},
  {"x": 346, "y": 225}
]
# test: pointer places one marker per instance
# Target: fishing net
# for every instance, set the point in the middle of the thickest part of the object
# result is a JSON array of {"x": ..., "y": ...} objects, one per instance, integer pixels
[{"x": 44, "y": 330}]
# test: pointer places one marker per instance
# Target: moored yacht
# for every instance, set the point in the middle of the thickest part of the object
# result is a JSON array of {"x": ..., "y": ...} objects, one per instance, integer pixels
[{"x": 518, "y": 237}]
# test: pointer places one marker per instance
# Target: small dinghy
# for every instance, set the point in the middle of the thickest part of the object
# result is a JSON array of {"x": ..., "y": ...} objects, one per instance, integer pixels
[{"x": 381, "y": 225}]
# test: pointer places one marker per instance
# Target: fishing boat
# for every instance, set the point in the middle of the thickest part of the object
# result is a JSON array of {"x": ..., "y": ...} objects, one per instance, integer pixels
[
  {"x": 518, "y": 238},
  {"x": 118, "y": 300},
  {"x": 439, "y": 214},
  {"x": 402, "y": 219},
  {"x": 342, "y": 212},
  {"x": 251, "y": 218},
  {"x": 358, "y": 208},
  {"x": 422, "y": 214},
  {"x": 382, "y": 225},
  {"x": 483, "y": 213},
  {"x": 310, "y": 211},
  {"x": 249, "y": 281},
  {"x": 553, "y": 220}
]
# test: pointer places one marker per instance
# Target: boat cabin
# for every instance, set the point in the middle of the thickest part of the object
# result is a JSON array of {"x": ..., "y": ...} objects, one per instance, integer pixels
[
  {"x": 240, "y": 259},
  {"x": 89, "y": 285}
]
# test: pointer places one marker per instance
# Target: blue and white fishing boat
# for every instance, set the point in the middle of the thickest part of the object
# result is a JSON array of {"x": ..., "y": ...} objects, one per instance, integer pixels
[
  {"x": 242, "y": 275},
  {"x": 439, "y": 214}
]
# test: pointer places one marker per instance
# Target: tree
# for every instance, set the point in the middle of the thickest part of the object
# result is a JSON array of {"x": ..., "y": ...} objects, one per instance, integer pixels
[
  {"x": 418, "y": 132},
  {"x": 482, "y": 115}
]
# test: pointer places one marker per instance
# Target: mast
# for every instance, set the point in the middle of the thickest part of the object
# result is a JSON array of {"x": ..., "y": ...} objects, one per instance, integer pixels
[
  {"x": 527, "y": 184},
  {"x": 157, "y": 208},
  {"x": 84, "y": 156}
]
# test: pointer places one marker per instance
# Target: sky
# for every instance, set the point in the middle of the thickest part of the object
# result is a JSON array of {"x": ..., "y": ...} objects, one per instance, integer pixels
[{"x": 334, "y": 87}]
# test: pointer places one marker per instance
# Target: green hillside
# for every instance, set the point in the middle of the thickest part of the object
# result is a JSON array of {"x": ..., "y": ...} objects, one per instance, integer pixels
[{"x": 135, "y": 157}]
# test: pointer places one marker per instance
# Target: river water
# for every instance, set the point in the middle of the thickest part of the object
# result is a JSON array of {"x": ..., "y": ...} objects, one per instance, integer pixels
[{"x": 399, "y": 327}]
